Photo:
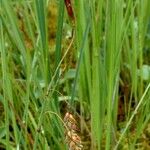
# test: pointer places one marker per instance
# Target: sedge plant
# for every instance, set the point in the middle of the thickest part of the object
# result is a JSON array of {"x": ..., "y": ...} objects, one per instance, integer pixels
[{"x": 109, "y": 41}]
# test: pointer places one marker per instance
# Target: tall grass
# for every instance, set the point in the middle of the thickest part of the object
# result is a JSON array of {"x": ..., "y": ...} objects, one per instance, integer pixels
[{"x": 109, "y": 42}]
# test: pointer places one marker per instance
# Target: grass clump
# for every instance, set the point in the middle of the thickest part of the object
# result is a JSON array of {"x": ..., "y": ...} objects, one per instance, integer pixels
[{"x": 89, "y": 59}]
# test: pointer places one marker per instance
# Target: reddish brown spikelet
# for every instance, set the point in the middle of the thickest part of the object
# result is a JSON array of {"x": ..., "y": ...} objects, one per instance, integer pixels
[
  {"x": 72, "y": 138},
  {"x": 69, "y": 118},
  {"x": 69, "y": 9}
]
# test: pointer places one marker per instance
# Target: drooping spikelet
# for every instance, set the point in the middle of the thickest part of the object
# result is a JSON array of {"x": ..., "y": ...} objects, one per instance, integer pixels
[{"x": 72, "y": 138}]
